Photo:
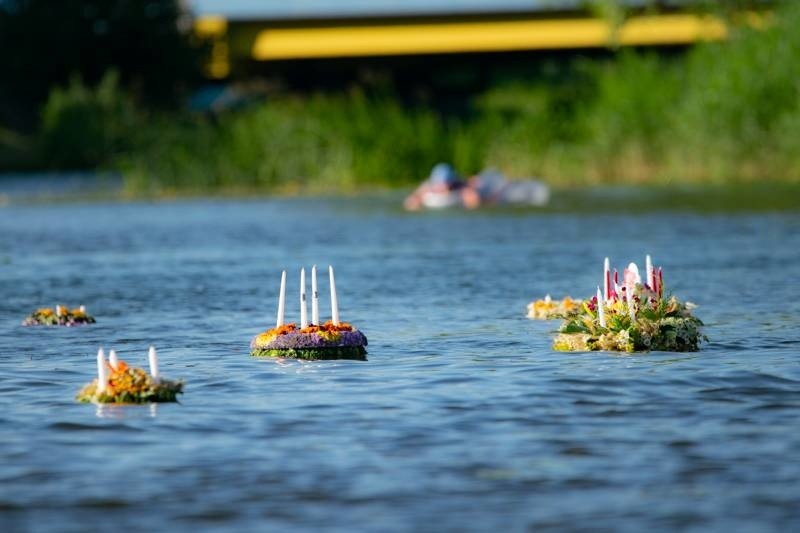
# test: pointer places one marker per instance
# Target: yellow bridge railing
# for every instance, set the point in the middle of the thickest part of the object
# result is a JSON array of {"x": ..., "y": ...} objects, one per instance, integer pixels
[{"x": 442, "y": 37}]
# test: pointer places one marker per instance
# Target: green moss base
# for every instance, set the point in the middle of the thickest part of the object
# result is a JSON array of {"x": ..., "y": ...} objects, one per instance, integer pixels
[{"x": 358, "y": 353}]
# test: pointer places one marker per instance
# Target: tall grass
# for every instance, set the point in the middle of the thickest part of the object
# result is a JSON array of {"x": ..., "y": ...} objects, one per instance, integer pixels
[{"x": 321, "y": 143}]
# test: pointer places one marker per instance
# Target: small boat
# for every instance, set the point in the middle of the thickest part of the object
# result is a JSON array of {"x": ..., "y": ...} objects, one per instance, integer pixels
[
  {"x": 495, "y": 189},
  {"x": 444, "y": 188}
]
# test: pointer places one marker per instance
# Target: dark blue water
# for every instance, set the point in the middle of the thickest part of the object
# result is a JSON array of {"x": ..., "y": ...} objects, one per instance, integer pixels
[{"x": 462, "y": 419}]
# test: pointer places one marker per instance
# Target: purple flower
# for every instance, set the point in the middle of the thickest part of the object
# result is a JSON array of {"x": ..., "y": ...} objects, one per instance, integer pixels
[{"x": 297, "y": 340}]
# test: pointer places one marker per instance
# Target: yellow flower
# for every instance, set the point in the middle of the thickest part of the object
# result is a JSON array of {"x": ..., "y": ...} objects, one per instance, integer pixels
[
  {"x": 547, "y": 308},
  {"x": 266, "y": 337}
]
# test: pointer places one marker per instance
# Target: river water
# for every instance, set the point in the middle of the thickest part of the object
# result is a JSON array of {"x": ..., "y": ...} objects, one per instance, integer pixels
[{"x": 463, "y": 418}]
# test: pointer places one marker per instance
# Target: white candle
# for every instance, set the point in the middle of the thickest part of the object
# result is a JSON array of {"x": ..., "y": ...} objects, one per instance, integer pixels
[
  {"x": 334, "y": 301},
  {"x": 606, "y": 279},
  {"x": 314, "y": 297},
  {"x": 82, "y": 308},
  {"x": 102, "y": 371},
  {"x": 112, "y": 359},
  {"x": 281, "y": 300},
  {"x": 153, "y": 359},
  {"x": 601, "y": 314},
  {"x": 629, "y": 296},
  {"x": 59, "y": 310},
  {"x": 649, "y": 272},
  {"x": 633, "y": 274},
  {"x": 303, "y": 306}
]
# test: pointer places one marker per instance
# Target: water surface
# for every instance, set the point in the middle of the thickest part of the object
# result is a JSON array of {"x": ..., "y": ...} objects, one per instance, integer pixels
[{"x": 463, "y": 418}]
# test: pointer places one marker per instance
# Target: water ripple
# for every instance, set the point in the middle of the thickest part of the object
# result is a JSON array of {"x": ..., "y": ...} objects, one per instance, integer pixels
[{"x": 463, "y": 418}]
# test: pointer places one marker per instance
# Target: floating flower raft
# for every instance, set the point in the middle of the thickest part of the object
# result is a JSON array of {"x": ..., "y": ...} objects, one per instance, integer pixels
[
  {"x": 60, "y": 316},
  {"x": 312, "y": 341},
  {"x": 328, "y": 341},
  {"x": 631, "y": 318},
  {"x": 549, "y": 309},
  {"x": 119, "y": 383}
]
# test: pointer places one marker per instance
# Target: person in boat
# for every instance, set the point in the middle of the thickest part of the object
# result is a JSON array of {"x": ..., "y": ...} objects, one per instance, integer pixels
[{"x": 446, "y": 188}]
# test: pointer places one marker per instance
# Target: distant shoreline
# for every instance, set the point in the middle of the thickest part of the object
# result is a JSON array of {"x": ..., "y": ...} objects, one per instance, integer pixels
[{"x": 38, "y": 188}]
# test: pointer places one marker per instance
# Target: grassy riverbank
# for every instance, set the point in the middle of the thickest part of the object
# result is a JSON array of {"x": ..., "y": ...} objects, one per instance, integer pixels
[{"x": 721, "y": 113}]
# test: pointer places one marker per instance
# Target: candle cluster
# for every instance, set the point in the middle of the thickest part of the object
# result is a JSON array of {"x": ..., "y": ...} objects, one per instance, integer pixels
[
  {"x": 654, "y": 280},
  {"x": 613, "y": 292},
  {"x": 119, "y": 383},
  {"x": 281, "y": 318},
  {"x": 631, "y": 314},
  {"x": 311, "y": 340}
]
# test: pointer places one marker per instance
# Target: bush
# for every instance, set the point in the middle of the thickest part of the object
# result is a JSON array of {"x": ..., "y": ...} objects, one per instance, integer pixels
[{"x": 84, "y": 127}]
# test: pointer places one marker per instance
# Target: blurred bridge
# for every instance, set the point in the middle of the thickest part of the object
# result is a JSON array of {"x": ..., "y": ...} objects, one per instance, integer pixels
[{"x": 244, "y": 34}]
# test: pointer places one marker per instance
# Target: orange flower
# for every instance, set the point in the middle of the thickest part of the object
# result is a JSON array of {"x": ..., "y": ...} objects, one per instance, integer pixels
[
  {"x": 327, "y": 327},
  {"x": 330, "y": 326},
  {"x": 284, "y": 329}
]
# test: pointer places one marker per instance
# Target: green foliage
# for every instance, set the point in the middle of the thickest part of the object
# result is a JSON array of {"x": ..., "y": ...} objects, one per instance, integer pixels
[
  {"x": 635, "y": 97},
  {"x": 321, "y": 143},
  {"x": 357, "y": 353},
  {"x": 739, "y": 105},
  {"x": 84, "y": 127},
  {"x": 726, "y": 112}
]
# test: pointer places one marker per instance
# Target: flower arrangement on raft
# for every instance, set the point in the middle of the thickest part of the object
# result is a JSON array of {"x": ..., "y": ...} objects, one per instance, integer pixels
[
  {"x": 549, "y": 309},
  {"x": 311, "y": 341},
  {"x": 634, "y": 317},
  {"x": 60, "y": 316},
  {"x": 122, "y": 384}
]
